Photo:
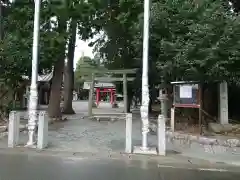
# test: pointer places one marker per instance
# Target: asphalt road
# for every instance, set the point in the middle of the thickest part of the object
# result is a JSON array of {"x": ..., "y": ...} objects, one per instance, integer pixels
[{"x": 28, "y": 167}]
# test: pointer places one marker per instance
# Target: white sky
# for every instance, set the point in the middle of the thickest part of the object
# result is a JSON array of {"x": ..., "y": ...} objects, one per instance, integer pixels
[{"x": 82, "y": 47}]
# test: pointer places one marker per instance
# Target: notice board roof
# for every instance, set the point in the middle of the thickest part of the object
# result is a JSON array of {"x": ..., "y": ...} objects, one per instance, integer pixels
[{"x": 185, "y": 82}]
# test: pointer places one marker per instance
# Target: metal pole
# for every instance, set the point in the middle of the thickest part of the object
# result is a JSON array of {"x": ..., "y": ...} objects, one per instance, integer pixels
[
  {"x": 145, "y": 89},
  {"x": 33, "y": 100}
]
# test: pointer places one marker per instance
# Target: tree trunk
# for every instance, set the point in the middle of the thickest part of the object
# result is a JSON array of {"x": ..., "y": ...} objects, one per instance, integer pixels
[
  {"x": 129, "y": 97},
  {"x": 129, "y": 104},
  {"x": 54, "y": 109},
  {"x": 150, "y": 106},
  {"x": 69, "y": 74}
]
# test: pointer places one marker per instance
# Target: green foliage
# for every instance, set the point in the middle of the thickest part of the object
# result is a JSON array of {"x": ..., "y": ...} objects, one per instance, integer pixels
[
  {"x": 189, "y": 39},
  {"x": 85, "y": 65},
  {"x": 195, "y": 40},
  {"x": 119, "y": 20},
  {"x": 16, "y": 45},
  {"x": 84, "y": 68}
]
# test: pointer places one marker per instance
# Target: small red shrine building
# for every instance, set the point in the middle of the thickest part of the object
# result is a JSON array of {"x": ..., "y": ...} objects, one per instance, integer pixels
[{"x": 105, "y": 91}]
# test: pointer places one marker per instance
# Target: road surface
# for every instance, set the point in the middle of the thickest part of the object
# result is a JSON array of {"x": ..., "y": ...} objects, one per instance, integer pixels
[{"x": 35, "y": 167}]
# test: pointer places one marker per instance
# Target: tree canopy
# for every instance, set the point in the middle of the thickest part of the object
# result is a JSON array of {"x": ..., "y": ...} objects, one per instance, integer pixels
[
  {"x": 84, "y": 67},
  {"x": 189, "y": 39},
  {"x": 17, "y": 33}
]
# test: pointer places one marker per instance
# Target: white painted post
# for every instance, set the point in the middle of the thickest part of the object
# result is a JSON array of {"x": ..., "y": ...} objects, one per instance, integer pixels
[
  {"x": 161, "y": 135},
  {"x": 13, "y": 129},
  {"x": 145, "y": 88},
  {"x": 33, "y": 99},
  {"x": 173, "y": 119},
  {"x": 128, "y": 141},
  {"x": 42, "y": 130},
  {"x": 223, "y": 107},
  {"x": 145, "y": 149}
]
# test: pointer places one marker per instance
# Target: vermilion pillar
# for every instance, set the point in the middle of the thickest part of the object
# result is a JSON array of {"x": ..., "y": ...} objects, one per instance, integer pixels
[{"x": 114, "y": 98}]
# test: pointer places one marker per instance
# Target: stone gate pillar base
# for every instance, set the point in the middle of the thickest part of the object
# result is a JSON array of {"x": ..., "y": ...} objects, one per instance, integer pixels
[
  {"x": 148, "y": 151},
  {"x": 42, "y": 130},
  {"x": 13, "y": 129},
  {"x": 128, "y": 141},
  {"x": 161, "y": 135}
]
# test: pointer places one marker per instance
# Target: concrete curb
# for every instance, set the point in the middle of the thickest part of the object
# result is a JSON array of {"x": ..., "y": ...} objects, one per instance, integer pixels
[
  {"x": 173, "y": 161},
  {"x": 188, "y": 139},
  {"x": 96, "y": 155}
]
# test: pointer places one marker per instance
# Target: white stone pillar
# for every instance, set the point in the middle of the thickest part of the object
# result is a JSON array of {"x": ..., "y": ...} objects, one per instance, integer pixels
[
  {"x": 42, "y": 130},
  {"x": 13, "y": 129},
  {"x": 173, "y": 119},
  {"x": 125, "y": 96},
  {"x": 161, "y": 135},
  {"x": 163, "y": 100},
  {"x": 128, "y": 141},
  {"x": 223, "y": 103}
]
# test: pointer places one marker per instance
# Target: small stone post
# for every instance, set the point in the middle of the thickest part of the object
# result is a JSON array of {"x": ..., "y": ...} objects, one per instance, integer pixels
[
  {"x": 42, "y": 130},
  {"x": 223, "y": 107},
  {"x": 164, "y": 100},
  {"x": 90, "y": 98},
  {"x": 173, "y": 119},
  {"x": 13, "y": 129},
  {"x": 161, "y": 135},
  {"x": 128, "y": 141}
]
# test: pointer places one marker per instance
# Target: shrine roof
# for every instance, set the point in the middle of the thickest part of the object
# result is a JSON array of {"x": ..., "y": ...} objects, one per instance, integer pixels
[
  {"x": 104, "y": 84},
  {"x": 41, "y": 78}
]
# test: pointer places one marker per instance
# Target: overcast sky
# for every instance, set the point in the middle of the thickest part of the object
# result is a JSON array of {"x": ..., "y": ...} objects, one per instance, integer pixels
[{"x": 82, "y": 47}]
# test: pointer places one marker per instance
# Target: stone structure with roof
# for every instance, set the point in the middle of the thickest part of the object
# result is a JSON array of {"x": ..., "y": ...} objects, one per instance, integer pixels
[{"x": 44, "y": 83}]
